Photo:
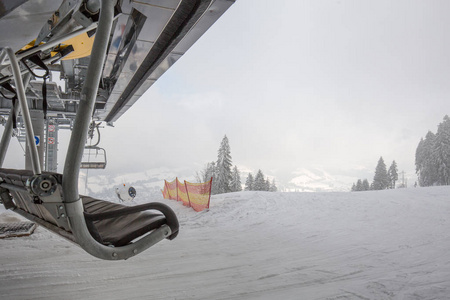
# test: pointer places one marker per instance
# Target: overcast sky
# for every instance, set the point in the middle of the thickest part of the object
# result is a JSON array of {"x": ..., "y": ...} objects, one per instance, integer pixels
[{"x": 324, "y": 84}]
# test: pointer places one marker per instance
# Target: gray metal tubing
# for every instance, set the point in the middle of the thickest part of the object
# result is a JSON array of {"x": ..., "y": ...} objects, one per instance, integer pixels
[
  {"x": 13, "y": 187},
  {"x": 20, "y": 89},
  {"x": 72, "y": 201},
  {"x": 6, "y": 137},
  {"x": 87, "y": 102},
  {"x": 7, "y": 133},
  {"x": 2, "y": 57}
]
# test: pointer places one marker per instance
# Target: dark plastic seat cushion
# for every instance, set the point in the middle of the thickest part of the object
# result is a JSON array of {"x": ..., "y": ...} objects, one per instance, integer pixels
[{"x": 120, "y": 231}]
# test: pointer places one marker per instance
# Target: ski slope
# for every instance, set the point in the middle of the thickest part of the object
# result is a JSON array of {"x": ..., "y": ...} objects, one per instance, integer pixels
[{"x": 391, "y": 244}]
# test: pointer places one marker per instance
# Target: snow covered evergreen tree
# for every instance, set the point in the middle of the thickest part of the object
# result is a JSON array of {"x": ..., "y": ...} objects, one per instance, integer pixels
[
  {"x": 223, "y": 167},
  {"x": 249, "y": 182},
  {"x": 359, "y": 185},
  {"x": 235, "y": 183},
  {"x": 365, "y": 185},
  {"x": 206, "y": 174},
  {"x": 426, "y": 162},
  {"x": 393, "y": 175},
  {"x": 380, "y": 180},
  {"x": 442, "y": 152},
  {"x": 267, "y": 185},
  {"x": 215, "y": 182},
  {"x": 259, "y": 183},
  {"x": 273, "y": 186}
]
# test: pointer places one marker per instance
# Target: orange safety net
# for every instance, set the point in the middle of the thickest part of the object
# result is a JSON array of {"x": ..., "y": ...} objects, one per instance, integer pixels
[
  {"x": 165, "y": 192},
  {"x": 182, "y": 193},
  {"x": 172, "y": 189},
  {"x": 199, "y": 194}
]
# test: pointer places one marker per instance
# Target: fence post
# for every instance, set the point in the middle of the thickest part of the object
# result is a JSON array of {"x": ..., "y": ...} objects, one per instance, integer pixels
[
  {"x": 210, "y": 187},
  {"x": 176, "y": 181},
  {"x": 187, "y": 192}
]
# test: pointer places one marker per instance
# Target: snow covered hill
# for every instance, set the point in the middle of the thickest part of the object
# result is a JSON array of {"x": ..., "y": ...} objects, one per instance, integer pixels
[{"x": 391, "y": 244}]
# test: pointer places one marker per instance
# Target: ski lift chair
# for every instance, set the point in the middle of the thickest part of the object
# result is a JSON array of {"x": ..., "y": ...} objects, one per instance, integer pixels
[
  {"x": 110, "y": 224},
  {"x": 95, "y": 159},
  {"x": 105, "y": 230}
]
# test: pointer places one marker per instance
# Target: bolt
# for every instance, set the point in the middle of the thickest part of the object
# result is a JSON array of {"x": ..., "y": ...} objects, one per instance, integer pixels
[
  {"x": 45, "y": 185},
  {"x": 135, "y": 251},
  {"x": 114, "y": 254}
]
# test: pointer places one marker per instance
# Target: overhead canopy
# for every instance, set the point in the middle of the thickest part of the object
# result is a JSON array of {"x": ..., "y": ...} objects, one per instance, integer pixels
[{"x": 148, "y": 37}]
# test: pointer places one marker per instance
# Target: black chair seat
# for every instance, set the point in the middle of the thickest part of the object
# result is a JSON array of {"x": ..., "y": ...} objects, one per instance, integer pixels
[{"x": 121, "y": 230}]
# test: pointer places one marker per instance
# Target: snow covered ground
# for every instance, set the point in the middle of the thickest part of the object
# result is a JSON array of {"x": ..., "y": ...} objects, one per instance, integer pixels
[{"x": 255, "y": 245}]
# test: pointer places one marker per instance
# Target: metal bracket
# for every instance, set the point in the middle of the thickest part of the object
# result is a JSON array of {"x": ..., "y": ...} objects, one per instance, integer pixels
[
  {"x": 43, "y": 185},
  {"x": 58, "y": 212}
]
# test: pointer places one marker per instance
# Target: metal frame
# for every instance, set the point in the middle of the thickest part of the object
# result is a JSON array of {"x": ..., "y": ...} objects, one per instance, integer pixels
[
  {"x": 72, "y": 200},
  {"x": 72, "y": 203},
  {"x": 167, "y": 46},
  {"x": 20, "y": 89}
]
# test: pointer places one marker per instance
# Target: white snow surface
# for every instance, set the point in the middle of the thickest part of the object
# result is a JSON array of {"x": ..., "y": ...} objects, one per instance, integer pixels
[{"x": 391, "y": 244}]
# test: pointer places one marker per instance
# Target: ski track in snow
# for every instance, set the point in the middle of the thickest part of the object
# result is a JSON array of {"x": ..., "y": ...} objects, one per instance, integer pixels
[{"x": 258, "y": 245}]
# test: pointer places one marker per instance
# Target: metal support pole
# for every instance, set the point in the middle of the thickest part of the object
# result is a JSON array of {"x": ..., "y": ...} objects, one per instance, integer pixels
[
  {"x": 87, "y": 102},
  {"x": 7, "y": 133},
  {"x": 51, "y": 152},
  {"x": 37, "y": 120},
  {"x": 20, "y": 89},
  {"x": 72, "y": 202}
]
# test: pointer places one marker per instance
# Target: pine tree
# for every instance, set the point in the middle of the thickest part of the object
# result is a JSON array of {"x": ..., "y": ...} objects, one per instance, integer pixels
[
  {"x": 442, "y": 152},
  {"x": 249, "y": 182},
  {"x": 392, "y": 175},
  {"x": 273, "y": 186},
  {"x": 223, "y": 167},
  {"x": 267, "y": 185},
  {"x": 365, "y": 185},
  {"x": 359, "y": 186},
  {"x": 426, "y": 162},
  {"x": 215, "y": 183},
  {"x": 206, "y": 173},
  {"x": 354, "y": 187},
  {"x": 259, "y": 183},
  {"x": 235, "y": 183},
  {"x": 380, "y": 180}
]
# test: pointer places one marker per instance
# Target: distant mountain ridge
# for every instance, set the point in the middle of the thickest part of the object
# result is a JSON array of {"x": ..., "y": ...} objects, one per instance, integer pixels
[
  {"x": 317, "y": 180},
  {"x": 151, "y": 181}
]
